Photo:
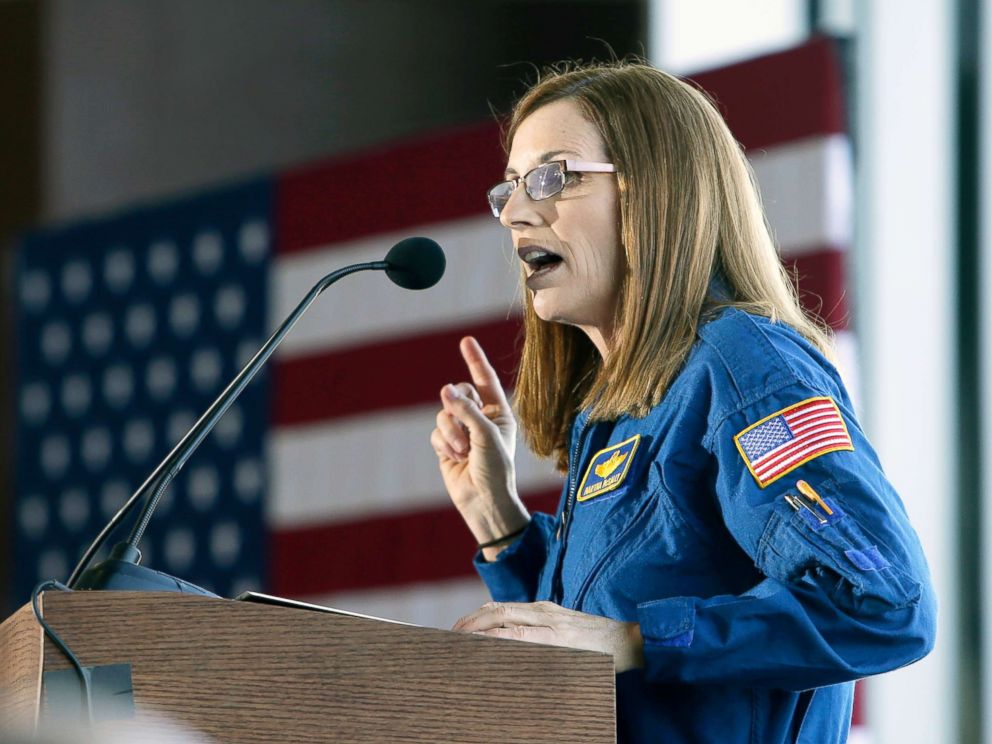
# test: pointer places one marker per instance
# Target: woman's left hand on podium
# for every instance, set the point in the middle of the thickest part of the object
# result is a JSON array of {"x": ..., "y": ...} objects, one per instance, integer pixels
[{"x": 553, "y": 625}]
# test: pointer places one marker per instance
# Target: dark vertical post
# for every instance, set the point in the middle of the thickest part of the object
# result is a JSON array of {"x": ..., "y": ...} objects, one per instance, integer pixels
[
  {"x": 20, "y": 206},
  {"x": 969, "y": 381},
  {"x": 814, "y": 16}
]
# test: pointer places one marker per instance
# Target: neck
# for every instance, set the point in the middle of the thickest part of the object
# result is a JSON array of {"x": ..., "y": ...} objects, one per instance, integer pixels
[{"x": 600, "y": 338}]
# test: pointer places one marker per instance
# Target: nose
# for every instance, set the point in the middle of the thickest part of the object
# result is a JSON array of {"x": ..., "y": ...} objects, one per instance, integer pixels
[{"x": 520, "y": 209}]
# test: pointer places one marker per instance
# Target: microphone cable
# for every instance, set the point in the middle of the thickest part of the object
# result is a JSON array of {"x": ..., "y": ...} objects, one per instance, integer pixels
[{"x": 85, "y": 681}]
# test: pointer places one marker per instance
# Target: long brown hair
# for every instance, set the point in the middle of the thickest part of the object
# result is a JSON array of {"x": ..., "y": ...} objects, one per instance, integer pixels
[{"x": 689, "y": 212}]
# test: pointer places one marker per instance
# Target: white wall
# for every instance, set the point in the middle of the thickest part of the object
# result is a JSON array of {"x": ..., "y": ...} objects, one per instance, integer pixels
[{"x": 904, "y": 313}]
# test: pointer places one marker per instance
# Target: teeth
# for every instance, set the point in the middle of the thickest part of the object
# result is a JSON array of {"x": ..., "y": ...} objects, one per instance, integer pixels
[{"x": 534, "y": 255}]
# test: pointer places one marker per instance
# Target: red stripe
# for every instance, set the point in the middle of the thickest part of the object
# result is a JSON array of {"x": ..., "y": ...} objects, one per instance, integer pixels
[
  {"x": 810, "y": 416},
  {"x": 799, "y": 443},
  {"x": 781, "y": 97},
  {"x": 814, "y": 408},
  {"x": 389, "y": 550},
  {"x": 361, "y": 379},
  {"x": 810, "y": 419},
  {"x": 812, "y": 405},
  {"x": 800, "y": 457},
  {"x": 430, "y": 179},
  {"x": 402, "y": 372},
  {"x": 832, "y": 446},
  {"x": 821, "y": 280},
  {"x": 805, "y": 428},
  {"x": 819, "y": 422},
  {"x": 444, "y": 176},
  {"x": 810, "y": 413},
  {"x": 789, "y": 455},
  {"x": 858, "y": 714}
]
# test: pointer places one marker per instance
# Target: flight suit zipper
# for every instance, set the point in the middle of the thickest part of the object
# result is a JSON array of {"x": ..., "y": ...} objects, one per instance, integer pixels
[
  {"x": 572, "y": 481},
  {"x": 557, "y": 589}
]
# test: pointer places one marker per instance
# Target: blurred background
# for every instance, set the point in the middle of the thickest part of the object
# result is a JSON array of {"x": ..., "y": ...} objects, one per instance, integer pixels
[{"x": 176, "y": 175}]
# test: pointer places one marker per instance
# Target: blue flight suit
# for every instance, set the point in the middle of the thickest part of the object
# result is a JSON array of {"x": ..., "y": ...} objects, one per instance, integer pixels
[{"x": 758, "y": 608}]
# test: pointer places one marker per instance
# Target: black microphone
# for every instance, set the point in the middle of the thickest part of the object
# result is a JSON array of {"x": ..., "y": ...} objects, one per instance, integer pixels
[{"x": 413, "y": 263}]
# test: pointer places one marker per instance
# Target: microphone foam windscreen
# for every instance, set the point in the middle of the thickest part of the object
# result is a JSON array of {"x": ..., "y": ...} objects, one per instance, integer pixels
[{"x": 415, "y": 263}]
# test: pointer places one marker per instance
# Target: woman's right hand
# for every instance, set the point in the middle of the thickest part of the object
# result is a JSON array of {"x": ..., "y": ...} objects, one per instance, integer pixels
[{"x": 475, "y": 441}]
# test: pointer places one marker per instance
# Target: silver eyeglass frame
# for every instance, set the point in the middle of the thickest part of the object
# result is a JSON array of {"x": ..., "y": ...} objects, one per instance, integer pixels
[{"x": 566, "y": 166}]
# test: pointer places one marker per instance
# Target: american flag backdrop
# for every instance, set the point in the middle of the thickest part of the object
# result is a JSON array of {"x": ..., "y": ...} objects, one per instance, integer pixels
[
  {"x": 320, "y": 483},
  {"x": 127, "y": 329}
]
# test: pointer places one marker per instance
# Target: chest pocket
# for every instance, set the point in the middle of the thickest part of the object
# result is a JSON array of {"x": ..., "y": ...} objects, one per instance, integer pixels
[
  {"x": 644, "y": 549},
  {"x": 841, "y": 557}
]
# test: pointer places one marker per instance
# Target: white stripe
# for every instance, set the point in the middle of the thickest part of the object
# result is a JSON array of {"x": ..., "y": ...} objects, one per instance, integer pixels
[
  {"x": 435, "y": 605},
  {"x": 829, "y": 442},
  {"x": 780, "y": 448},
  {"x": 364, "y": 466},
  {"x": 805, "y": 187},
  {"x": 807, "y": 422},
  {"x": 806, "y": 190},
  {"x": 774, "y": 467},
  {"x": 819, "y": 405},
  {"x": 480, "y": 282},
  {"x": 808, "y": 410},
  {"x": 772, "y": 452},
  {"x": 860, "y": 735},
  {"x": 797, "y": 442},
  {"x": 802, "y": 441},
  {"x": 810, "y": 413},
  {"x": 832, "y": 423}
]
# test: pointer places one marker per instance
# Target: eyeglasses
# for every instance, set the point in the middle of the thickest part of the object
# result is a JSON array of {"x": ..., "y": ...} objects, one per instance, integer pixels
[{"x": 542, "y": 182}]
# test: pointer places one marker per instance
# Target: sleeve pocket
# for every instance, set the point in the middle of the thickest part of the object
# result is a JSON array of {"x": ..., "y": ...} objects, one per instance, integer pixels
[{"x": 839, "y": 557}]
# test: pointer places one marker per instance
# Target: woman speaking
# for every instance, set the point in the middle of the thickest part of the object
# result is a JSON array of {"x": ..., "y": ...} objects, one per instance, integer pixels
[{"x": 725, "y": 530}]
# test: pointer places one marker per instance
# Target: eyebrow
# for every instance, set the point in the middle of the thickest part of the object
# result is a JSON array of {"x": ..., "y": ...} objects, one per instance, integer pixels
[{"x": 545, "y": 158}]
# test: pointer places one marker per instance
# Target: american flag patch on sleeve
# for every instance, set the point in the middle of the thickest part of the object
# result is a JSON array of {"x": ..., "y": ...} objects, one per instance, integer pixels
[{"x": 780, "y": 443}]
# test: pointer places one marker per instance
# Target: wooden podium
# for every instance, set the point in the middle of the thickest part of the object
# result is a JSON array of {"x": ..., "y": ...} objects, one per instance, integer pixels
[{"x": 244, "y": 672}]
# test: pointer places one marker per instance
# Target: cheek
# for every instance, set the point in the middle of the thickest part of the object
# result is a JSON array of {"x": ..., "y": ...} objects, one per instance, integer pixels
[
  {"x": 591, "y": 225},
  {"x": 609, "y": 255},
  {"x": 605, "y": 225},
  {"x": 593, "y": 235},
  {"x": 617, "y": 253}
]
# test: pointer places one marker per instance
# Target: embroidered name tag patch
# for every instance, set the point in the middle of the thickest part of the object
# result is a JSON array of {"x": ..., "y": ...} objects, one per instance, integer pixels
[
  {"x": 780, "y": 443},
  {"x": 608, "y": 469}
]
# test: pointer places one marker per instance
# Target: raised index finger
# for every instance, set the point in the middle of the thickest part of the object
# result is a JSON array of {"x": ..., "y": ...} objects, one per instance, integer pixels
[{"x": 484, "y": 377}]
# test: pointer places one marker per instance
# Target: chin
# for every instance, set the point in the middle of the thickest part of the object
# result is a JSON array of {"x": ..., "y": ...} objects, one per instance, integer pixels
[
  {"x": 547, "y": 311},
  {"x": 550, "y": 315},
  {"x": 549, "y": 308}
]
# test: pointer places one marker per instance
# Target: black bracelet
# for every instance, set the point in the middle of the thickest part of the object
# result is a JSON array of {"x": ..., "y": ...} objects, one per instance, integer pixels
[{"x": 497, "y": 541}]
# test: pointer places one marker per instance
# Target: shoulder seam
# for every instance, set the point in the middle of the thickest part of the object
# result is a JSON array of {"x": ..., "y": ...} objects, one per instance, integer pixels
[
  {"x": 744, "y": 403},
  {"x": 789, "y": 375}
]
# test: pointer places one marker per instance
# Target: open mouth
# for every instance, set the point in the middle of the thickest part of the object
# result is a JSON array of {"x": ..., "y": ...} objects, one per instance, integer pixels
[{"x": 539, "y": 260}]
